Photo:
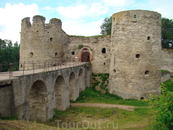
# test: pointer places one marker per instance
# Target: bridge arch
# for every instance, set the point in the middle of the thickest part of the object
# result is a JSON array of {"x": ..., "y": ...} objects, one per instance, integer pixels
[
  {"x": 38, "y": 98},
  {"x": 59, "y": 90}
]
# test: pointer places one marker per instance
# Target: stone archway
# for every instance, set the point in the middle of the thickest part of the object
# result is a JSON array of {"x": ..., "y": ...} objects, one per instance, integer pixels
[
  {"x": 38, "y": 101},
  {"x": 59, "y": 92},
  {"x": 85, "y": 55}
]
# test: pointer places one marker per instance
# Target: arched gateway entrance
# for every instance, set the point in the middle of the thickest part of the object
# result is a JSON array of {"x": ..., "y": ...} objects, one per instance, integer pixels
[{"x": 85, "y": 55}]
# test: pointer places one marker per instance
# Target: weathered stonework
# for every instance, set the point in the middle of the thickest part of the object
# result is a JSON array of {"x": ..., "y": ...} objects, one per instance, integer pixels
[
  {"x": 131, "y": 54},
  {"x": 135, "y": 54},
  {"x": 40, "y": 41},
  {"x": 167, "y": 60},
  {"x": 100, "y": 60}
]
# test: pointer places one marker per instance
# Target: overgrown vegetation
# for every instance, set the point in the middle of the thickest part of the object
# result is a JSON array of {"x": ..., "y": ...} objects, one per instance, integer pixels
[
  {"x": 100, "y": 82},
  {"x": 80, "y": 46},
  {"x": 163, "y": 105},
  {"x": 9, "y": 53},
  {"x": 168, "y": 85},
  {"x": 165, "y": 71},
  {"x": 92, "y": 95},
  {"x": 89, "y": 36}
]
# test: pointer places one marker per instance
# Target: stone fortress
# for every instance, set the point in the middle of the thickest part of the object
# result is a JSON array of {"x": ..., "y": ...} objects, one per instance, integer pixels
[{"x": 132, "y": 54}]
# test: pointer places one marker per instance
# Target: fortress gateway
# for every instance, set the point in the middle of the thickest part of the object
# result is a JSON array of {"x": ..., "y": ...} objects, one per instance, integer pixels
[{"x": 131, "y": 54}]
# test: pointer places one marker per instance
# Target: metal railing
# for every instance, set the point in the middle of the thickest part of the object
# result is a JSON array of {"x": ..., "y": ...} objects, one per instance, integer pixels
[{"x": 31, "y": 67}]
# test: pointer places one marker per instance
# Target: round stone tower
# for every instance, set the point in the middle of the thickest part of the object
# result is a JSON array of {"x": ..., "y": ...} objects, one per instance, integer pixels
[{"x": 135, "y": 54}]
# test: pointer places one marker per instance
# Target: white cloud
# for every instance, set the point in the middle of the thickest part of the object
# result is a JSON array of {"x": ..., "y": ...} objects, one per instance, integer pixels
[
  {"x": 115, "y": 3},
  {"x": 73, "y": 11},
  {"x": 50, "y": 9},
  {"x": 80, "y": 28},
  {"x": 11, "y": 16},
  {"x": 82, "y": 10}
]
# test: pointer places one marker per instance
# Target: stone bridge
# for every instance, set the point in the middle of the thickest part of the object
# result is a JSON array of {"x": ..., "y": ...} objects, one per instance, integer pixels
[{"x": 35, "y": 96}]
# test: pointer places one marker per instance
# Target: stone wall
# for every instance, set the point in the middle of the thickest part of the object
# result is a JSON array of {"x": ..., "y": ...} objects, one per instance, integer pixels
[
  {"x": 100, "y": 49},
  {"x": 167, "y": 60},
  {"x": 135, "y": 54},
  {"x": 6, "y": 99}
]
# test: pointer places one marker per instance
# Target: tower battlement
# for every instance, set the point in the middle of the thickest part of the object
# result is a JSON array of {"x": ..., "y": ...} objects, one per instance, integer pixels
[{"x": 40, "y": 21}]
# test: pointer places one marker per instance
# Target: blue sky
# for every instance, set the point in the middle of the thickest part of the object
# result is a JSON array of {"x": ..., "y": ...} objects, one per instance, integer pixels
[{"x": 79, "y": 17}]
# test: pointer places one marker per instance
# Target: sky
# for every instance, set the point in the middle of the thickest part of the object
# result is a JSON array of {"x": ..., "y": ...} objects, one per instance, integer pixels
[{"x": 79, "y": 17}]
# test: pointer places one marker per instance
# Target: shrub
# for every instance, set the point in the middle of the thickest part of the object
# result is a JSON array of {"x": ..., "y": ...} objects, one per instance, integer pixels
[{"x": 163, "y": 106}]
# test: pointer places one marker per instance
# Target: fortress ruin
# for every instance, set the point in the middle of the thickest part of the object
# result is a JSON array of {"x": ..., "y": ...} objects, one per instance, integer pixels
[{"x": 132, "y": 54}]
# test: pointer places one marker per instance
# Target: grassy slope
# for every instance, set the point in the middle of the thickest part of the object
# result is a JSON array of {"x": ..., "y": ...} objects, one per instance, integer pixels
[
  {"x": 23, "y": 125},
  {"x": 108, "y": 118},
  {"x": 140, "y": 118}
]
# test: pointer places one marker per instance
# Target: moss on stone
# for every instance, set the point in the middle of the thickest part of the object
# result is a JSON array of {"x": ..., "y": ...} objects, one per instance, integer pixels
[
  {"x": 57, "y": 19},
  {"x": 100, "y": 82},
  {"x": 165, "y": 71},
  {"x": 88, "y": 36}
]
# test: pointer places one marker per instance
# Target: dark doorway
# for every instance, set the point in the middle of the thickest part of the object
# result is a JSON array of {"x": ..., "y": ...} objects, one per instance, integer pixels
[{"x": 86, "y": 57}]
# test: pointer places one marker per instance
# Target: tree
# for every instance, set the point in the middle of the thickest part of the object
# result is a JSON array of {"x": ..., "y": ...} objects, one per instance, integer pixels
[
  {"x": 9, "y": 53},
  {"x": 106, "y": 26},
  {"x": 167, "y": 33}
]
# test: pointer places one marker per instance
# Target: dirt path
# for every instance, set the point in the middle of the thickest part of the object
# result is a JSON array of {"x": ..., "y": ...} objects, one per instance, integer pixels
[{"x": 103, "y": 105}]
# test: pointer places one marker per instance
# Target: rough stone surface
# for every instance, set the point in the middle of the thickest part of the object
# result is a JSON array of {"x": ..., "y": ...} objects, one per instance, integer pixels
[
  {"x": 40, "y": 41},
  {"x": 100, "y": 61},
  {"x": 167, "y": 60},
  {"x": 6, "y": 99},
  {"x": 135, "y": 54},
  {"x": 165, "y": 76}
]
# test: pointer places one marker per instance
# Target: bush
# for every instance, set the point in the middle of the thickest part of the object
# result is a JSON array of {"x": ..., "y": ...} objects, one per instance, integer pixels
[{"x": 163, "y": 106}]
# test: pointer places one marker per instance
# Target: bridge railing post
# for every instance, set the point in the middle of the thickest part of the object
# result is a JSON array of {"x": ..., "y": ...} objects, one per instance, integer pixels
[
  {"x": 10, "y": 71},
  {"x": 44, "y": 66},
  {"x": 33, "y": 67},
  {"x": 39, "y": 64},
  {"x": 23, "y": 67},
  {"x": 65, "y": 63},
  {"x": 48, "y": 65},
  {"x": 55, "y": 64}
]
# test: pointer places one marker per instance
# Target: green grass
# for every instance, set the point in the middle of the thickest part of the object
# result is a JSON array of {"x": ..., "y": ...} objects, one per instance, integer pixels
[
  {"x": 140, "y": 118},
  {"x": 90, "y": 95}
]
